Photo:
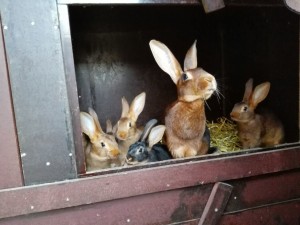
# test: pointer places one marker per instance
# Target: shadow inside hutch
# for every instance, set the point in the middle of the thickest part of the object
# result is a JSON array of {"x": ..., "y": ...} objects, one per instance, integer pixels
[{"x": 113, "y": 58}]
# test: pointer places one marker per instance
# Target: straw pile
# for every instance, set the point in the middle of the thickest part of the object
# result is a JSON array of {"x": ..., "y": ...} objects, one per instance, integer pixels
[{"x": 223, "y": 135}]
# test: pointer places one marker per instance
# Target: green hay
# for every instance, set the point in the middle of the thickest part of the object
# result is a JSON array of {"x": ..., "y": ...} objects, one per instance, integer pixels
[{"x": 223, "y": 135}]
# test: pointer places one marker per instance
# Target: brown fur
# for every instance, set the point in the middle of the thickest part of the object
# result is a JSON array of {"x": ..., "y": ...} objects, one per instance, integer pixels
[
  {"x": 256, "y": 130},
  {"x": 101, "y": 149},
  {"x": 185, "y": 118},
  {"x": 182, "y": 123},
  {"x": 127, "y": 131}
]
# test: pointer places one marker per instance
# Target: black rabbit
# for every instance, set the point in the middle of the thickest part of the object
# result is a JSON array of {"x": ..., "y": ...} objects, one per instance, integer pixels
[{"x": 149, "y": 151}]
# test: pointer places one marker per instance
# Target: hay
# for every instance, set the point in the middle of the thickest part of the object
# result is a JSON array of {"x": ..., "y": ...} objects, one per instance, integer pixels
[{"x": 223, "y": 135}]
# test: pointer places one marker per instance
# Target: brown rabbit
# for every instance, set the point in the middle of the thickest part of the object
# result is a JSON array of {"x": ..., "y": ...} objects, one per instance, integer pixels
[
  {"x": 126, "y": 130},
  {"x": 185, "y": 118},
  {"x": 256, "y": 130},
  {"x": 101, "y": 151}
]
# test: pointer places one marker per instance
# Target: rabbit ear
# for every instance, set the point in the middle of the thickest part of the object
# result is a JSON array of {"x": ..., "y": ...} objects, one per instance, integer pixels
[
  {"x": 109, "y": 128},
  {"x": 96, "y": 120},
  {"x": 125, "y": 107},
  {"x": 166, "y": 60},
  {"x": 149, "y": 125},
  {"x": 156, "y": 135},
  {"x": 114, "y": 129},
  {"x": 248, "y": 90},
  {"x": 88, "y": 125},
  {"x": 190, "y": 61},
  {"x": 260, "y": 93},
  {"x": 137, "y": 106}
]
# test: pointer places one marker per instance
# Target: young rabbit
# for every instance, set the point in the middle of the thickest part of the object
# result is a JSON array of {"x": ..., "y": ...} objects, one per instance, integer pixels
[
  {"x": 185, "y": 118},
  {"x": 151, "y": 151},
  {"x": 127, "y": 132},
  {"x": 256, "y": 130},
  {"x": 102, "y": 149}
]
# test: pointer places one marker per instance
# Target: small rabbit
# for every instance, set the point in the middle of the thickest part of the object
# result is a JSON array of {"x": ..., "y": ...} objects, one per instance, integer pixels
[
  {"x": 151, "y": 151},
  {"x": 102, "y": 149},
  {"x": 126, "y": 130},
  {"x": 185, "y": 118},
  {"x": 256, "y": 130}
]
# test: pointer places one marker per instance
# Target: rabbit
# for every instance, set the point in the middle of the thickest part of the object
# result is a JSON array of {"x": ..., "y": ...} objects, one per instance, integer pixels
[
  {"x": 126, "y": 130},
  {"x": 151, "y": 151},
  {"x": 185, "y": 118},
  {"x": 256, "y": 130},
  {"x": 101, "y": 151}
]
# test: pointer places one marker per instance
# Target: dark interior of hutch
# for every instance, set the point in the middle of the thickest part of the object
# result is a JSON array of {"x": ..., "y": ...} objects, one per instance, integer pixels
[{"x": 113, "y": 59}]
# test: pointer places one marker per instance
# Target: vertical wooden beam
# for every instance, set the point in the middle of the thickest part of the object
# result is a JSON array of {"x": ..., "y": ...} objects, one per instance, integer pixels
[
  {"x": 39, "y": 92},
  {"x": 10, "y": 165},
  {"x": 216, "y": 204},
  {"x": 66, "y": 41}
]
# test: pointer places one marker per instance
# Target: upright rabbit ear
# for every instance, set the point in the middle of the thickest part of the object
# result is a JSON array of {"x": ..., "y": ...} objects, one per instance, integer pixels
[
  {"x": 109, "y": 128},
  {"x": 149, "y": 125},
  {"x": 248, "y": 90},
  {"x": 166, "y": 60},
  {"x": 115, "y": 127},
  {"x": 190, "y": 61},
  {"x": 96, "y": 120},
  {"x": 156, "y": 135},
  {"x": 260, "y": 93},
  {"x": 125, "y": 107},
  {"x": 88, "y": 125},
  {"x": 137, "y": 106}
]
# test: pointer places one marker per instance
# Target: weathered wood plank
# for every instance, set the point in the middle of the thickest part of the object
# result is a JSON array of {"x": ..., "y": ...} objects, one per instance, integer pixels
[
  {"x": 144, "y": 181},
  {"x": 216, "y": 204},
  {"x": 264, "y": 189},
  {"x": 10, "y": 166},
  {"x": 284, "y": 213},
  {"x": 69, "y": 66},
  {"x": 38, "y": 84}
]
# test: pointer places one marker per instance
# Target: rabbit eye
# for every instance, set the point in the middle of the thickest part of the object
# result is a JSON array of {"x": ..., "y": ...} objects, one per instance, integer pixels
[
  {"x": 140, "y": 150},
  {"x": 245, "y": 108},
  {"x": 102, "y": 144},
  {"x": 129, "y": 124},
  {"x": 185, "y": 77}
]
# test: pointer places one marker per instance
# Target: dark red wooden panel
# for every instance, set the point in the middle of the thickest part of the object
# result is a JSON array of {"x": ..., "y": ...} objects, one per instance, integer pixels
[
  {"x": 144, "y": 181},
  {"x": 265, "y": 189},
  {"x": 158, "y": 208},
  {"x": 10, "y": 165},
  {"x": 282, "y": 214},
  {"x": 38, "y": 86}
]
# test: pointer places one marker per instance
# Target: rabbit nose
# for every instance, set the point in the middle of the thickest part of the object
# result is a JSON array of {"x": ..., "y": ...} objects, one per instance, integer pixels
[
  {"x": 114, "y": 152},
  {"x": 233, "y": 114},
  {"x": 122, "y": 135}
]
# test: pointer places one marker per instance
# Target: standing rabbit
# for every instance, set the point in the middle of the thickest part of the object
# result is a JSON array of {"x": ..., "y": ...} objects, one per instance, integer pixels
[
  {"x": 102, "y": 149},
  {"x": 126, "y": 130},
  {"x": 149, "y": 150},
  {"x": 185, "y": 118},
  {"x": 256, "y": 130}
]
